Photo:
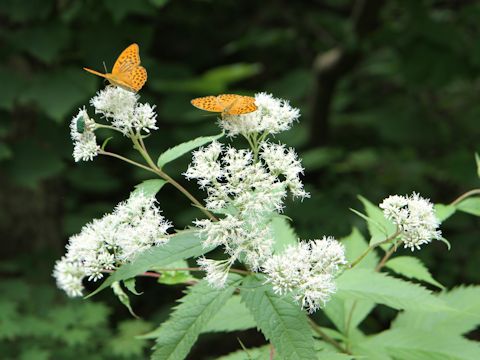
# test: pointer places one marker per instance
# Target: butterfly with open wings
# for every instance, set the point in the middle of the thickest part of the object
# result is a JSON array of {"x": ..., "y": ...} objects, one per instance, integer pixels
[
  {"x": 127, "y": 72},
  {"x": 226, "y": 104}
]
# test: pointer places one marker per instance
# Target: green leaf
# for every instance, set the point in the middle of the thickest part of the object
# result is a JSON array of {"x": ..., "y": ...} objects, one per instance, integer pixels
[
  {"x": 465, "y": 300},
  {"x": 383, "y": 289},
  {"x": 150, "y": 187},
  {"x": 283, "y": 232},
  {"x": 413, "y": 268},
  {"x": 348, "y": 313},
  {"x": 233, "y": 316},
  {"x": 443, "y": 212},
  {"x": 182, "y": 245},
  {"x": 470, "y": 206},
  {"x": 280, "y": 319},
  {"x": 379, "y": 227},
  {"x": 407, "y": 344},
  {"x": 181, "y": 149},
  {"x": 175, "y": 276},
  {"x": 178, "y": 334},
  {"x": 130, "y": 285},
  {"x": 122, "y": 296}
]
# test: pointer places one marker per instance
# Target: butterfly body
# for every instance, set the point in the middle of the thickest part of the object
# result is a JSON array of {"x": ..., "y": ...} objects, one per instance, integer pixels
[
  {"x": 127, "y": 72},
  {"x": 226, "y": 104}
]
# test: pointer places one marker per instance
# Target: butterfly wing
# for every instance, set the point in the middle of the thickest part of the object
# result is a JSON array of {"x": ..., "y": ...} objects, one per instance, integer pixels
[
  {"x": 208, "y": 103},
  {"x": 128, "y": 60},
  {"x": 241, "y": 105},
  {"x": 132, "y": 80}
]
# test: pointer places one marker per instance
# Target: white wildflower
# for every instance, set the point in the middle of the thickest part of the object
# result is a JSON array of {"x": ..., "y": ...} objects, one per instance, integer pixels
[
  {"x": 272, "y": 116},
  {"x": 69, "y": 275},
  {"x": 134, "y": 226},
  {"x": 84, "y": 139},
  {"x": 283, "y": 161},
  {"x": 122, "y": 109},
  {"x": 216, "y": 271},
  {"x": 415, "y": 218},
  {"x": 307, "y": 271}
]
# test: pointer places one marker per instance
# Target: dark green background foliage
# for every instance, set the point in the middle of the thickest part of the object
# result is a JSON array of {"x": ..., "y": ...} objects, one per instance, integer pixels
[{"x": 389, "y": 97}]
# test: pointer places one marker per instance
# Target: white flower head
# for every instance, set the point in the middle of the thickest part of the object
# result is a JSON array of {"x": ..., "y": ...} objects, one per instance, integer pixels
[
  {"x": 216, "y": 271},
  {"x": 285, "y": 162},
  {"x": 122, "y": 109},
  {"x": 272, "y": 116},
  {"x": 307, "y": 271},
  {"x": 134, "y": 226},
  {"x": 85, "y": 145},
  {"x": 415, "y": 217}
]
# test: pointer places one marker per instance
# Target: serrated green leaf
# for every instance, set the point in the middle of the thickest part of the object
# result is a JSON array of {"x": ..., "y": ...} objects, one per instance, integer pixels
[
  {"x": 383, "y": 289},
  {"x": 283, "y": 232},
  {"x": 181, "y": 149},
  {"x": 182, "y": 245},
  {"x": 413, "y": 268},
  {"x": 466, "y": 302},
  {"x": 355, "y": 245},
  {"x": 384, "y": 229},
  {"x": 122, "y": 296},
  {"x": 443, "y": 212},
  {"x": 150, "y": 187},
  {"x": 178, "y": 334},
  {"x": 233, "y": 316},
  {"x": 280, "y": 319},
  {"x": 470, "y": 206},
  {"x": 407, "y": 344}
]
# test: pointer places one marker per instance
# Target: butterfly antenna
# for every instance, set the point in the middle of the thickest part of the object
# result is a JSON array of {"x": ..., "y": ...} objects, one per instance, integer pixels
[{"x": 105, "y": 67}]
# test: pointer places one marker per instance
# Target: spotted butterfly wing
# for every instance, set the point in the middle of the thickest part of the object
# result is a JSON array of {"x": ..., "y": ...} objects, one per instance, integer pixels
[{"x": 229, "y": 104}]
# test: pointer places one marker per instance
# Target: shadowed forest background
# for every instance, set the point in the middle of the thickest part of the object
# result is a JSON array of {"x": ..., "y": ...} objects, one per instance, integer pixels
[{"x": 389, "y": 96}]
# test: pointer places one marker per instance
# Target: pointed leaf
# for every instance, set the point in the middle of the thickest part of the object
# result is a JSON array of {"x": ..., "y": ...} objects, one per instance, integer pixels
[
  {"x": 443, "y": 212},
  {"x": 179, "y": 150},
  {"x": 466, "y": 300},
  {"x": 182, "y": 245},
  {"x": 176, "y": 336},
  {"x": 407, "y": 344},
  {"x": 386, "y": 229},
  {"x": 470, "y": 206},
  {"x": 233, "y": 316},
  {"x": 413, "y": 268},
  {"x": 280, "y": 319},
  {"x": 150, "y": 187},
  {"x": 122, "y": 296},
  {"x": 383, "y": 289}
]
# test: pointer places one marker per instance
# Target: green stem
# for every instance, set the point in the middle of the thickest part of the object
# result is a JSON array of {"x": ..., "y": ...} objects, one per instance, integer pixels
[
  {"x": 464, "y": 196},
  {"x": 107, "y": 153},
  {"x": 327, "y": 338},
  {"x": 371, "y": 247},
  {"x": 387, "y": 255},
  {"x": 140, "y": 147}
]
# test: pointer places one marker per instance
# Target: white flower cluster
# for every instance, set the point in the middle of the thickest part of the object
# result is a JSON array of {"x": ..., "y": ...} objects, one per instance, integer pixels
[
  {"x": 124, "y": 111},
  {"x": 307, "y": 271},
  {"x": 116, "y": 238},
  {"x": 85, "y": 145},
  {"x": 272, "y": 116},
  {"x": 415, "y": 218},
  {"x": 248, "y": 192}
]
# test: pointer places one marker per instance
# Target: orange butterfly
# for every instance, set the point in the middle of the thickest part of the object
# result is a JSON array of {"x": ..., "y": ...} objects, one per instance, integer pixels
[
  {"x": 127, "y": 72},
  {"x": 227, "y": 104}
]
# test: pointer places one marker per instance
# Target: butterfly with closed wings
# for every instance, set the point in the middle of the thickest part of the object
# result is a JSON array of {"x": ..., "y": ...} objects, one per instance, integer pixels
[
  {"x": 226, "y": 104},
  {"x": 127, "y": 72}
]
